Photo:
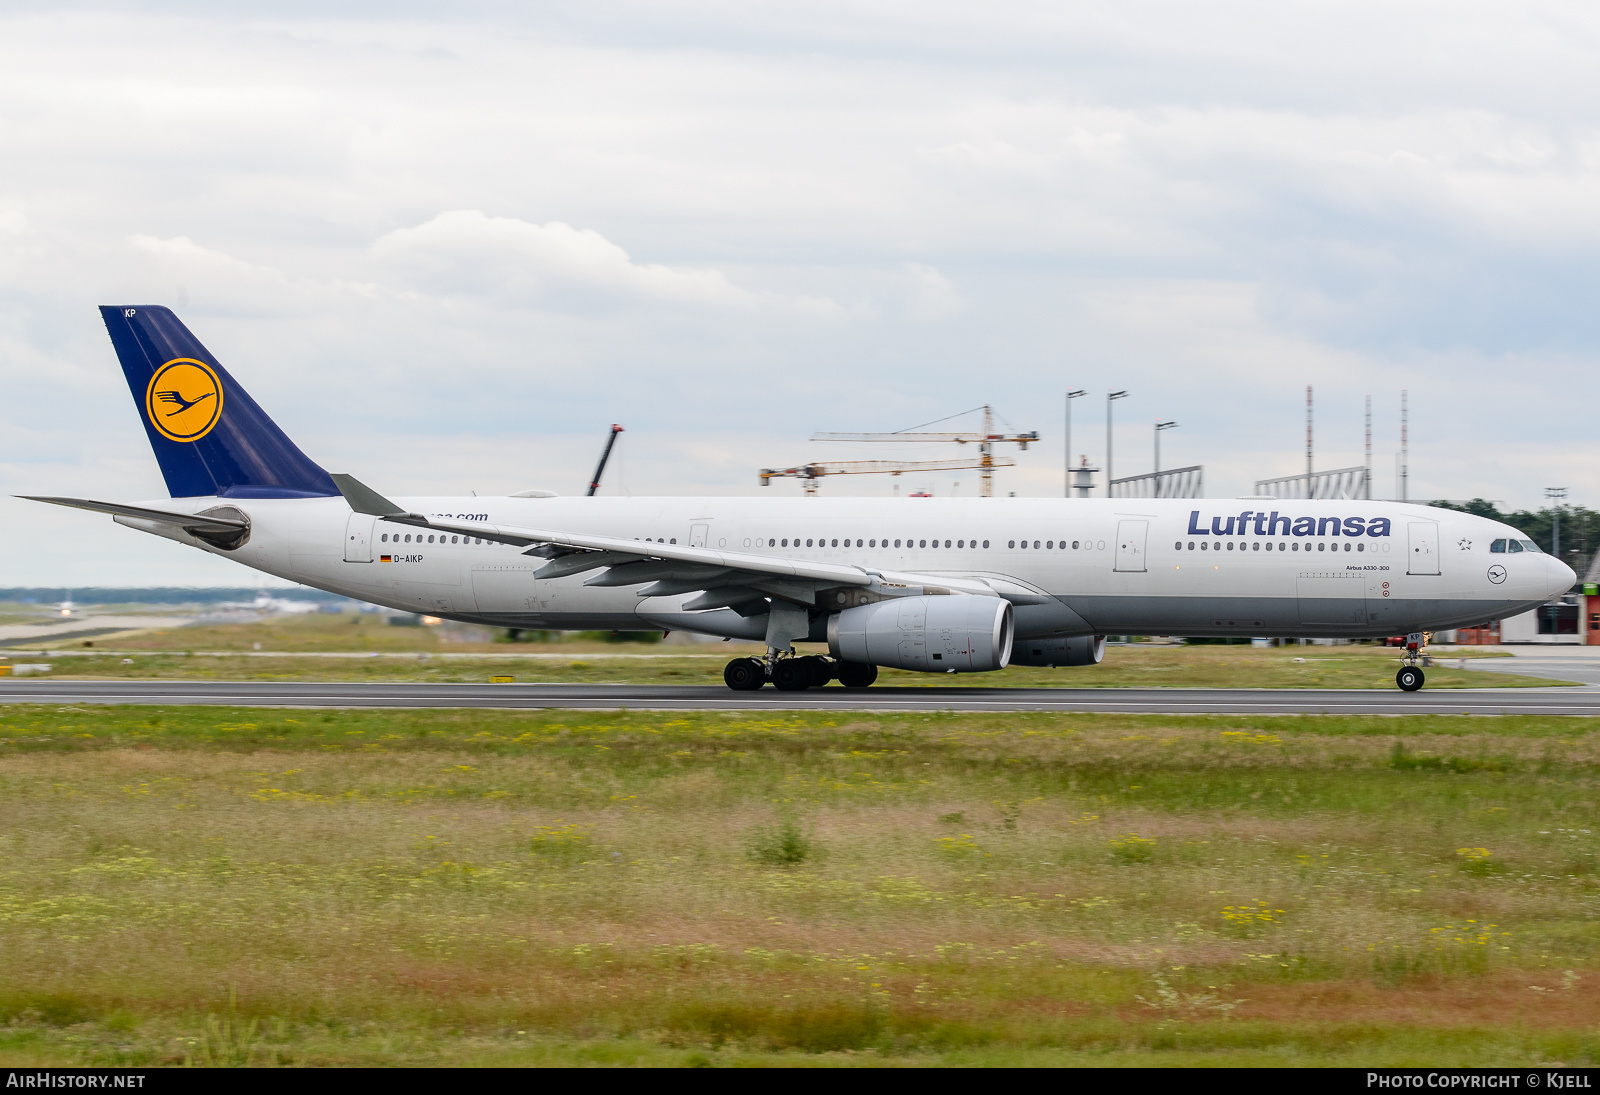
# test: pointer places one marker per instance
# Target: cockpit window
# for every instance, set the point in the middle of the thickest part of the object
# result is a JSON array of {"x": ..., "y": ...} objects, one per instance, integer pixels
[
  {"x": 1529, "y": 545},
  {"x": 1497, "y": 548},
  {"x": 1513, "y": 546}
]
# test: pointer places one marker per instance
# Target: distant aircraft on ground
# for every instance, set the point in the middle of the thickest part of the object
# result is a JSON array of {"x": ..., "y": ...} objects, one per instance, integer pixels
[{"x": 927, "y": 584}]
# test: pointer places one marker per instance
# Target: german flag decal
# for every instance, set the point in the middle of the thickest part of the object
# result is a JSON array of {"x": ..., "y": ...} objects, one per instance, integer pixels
[{"x": 386, "y": 558}]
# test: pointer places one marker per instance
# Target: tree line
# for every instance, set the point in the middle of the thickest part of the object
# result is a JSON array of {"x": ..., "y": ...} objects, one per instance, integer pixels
[{"x": 1580, "y": 527}]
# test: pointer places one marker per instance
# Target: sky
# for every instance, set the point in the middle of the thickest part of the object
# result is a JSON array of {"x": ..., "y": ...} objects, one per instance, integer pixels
[{"x": 447, "y": 246}]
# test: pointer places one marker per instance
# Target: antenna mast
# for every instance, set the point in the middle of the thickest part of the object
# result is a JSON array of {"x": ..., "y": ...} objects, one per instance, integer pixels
[
  {"x": 1405, "y": 450},
  {"x": 1369, "y": 449},
  {"x": 1310, "y": 483}
]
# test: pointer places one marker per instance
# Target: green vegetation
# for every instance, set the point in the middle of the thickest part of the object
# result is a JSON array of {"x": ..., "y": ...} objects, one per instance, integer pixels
[
  {"x": 442, "y": 654},
  {"x": 1580, "y": 527},
  {"x": 452, "y": 887}
]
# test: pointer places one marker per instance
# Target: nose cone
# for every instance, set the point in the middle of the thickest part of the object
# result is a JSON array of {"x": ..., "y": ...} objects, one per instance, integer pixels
[{"x": 1562, "y": 577}]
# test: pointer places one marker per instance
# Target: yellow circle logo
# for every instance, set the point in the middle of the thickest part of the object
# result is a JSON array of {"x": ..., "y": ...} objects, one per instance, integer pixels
[{"x": 184, "y": 399}]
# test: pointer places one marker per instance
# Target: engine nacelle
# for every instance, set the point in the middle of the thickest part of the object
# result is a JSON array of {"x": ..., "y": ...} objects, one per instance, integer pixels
[
  {"x": 961, "y": 634},
  {"x": 1078, "y": 650}
]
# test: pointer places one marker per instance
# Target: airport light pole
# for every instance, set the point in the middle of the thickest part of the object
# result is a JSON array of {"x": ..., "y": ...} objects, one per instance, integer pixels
[
  {"x": 1556, "y": 495},
  {"x": 1159, "y": 427},
  {"x": 1111, "y": 397},
  {"x": 1066, "y": 481}
]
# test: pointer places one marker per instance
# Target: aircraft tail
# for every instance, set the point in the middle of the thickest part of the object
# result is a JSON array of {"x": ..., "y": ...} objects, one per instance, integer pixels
[{"x": 209, "y": 436}]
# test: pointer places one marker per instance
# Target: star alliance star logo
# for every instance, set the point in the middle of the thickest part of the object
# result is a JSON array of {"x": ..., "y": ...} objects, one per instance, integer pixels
[{"x": 1464, "y": 545}]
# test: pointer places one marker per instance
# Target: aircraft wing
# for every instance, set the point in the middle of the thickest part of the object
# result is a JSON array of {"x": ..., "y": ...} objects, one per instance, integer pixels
[
  {"x": 187, "y": 520},
  {"x": 722, "y": 578}
]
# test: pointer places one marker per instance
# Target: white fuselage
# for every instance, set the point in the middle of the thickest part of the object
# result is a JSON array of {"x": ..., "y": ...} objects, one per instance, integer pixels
[{"x": 1102, "y": 566}]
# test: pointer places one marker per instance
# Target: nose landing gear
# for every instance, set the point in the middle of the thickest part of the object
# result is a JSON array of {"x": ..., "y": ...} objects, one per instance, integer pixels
[{"x": 1410, "y": 677}]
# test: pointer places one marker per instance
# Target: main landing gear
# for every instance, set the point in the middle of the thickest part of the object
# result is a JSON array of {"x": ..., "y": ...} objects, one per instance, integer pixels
[{"x": 796, "y": 674}]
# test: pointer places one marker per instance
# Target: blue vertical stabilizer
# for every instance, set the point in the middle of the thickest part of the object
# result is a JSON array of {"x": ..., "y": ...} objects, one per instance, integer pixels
[{"x": 209, "y": 436}]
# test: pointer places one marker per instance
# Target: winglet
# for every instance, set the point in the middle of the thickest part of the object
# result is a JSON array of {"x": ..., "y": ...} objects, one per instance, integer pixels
[{"x": 363, "y": 499}]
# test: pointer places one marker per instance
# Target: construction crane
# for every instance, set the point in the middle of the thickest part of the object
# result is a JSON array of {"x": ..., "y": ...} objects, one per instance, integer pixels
[
  {"x": 605, "y": 455},
  {"x": 986, "y": 441},
  {"x": 808, "y": 474}
]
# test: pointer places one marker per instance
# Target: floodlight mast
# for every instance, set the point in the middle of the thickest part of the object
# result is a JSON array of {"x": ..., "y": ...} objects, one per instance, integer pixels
[
  {"x": 1066, "y": 480},
  {"x": 1160, "y": 426},
  {"x": 1557, "y": 495},
  {"x": 1111, "y": 397}
]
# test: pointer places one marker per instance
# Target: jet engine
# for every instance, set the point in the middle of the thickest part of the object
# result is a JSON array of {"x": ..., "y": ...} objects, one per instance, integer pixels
[
  {"x": 947, "y": 634},
  {"x": 1078, "y": 650}
]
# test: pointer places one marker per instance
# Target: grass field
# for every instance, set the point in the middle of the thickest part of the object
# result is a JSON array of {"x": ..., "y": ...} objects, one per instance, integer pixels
[
  {"x": 268, "y": 887},
  {"x": 432, "y": 657}
]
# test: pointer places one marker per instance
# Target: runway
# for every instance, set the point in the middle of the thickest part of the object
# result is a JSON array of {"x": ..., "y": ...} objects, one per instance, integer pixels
[{"x": 1195, "y": 701}]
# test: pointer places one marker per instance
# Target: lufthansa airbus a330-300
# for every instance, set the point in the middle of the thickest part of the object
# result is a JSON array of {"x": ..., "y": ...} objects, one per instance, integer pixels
[{"x": 932, "y": 585}]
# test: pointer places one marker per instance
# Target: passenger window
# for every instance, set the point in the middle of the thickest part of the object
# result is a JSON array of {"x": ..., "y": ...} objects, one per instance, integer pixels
[
  {"x": 986, "y": 543},
  {"x": 1529, "y": 545},
  {"x": 1011, "y": 543},
  {"x": 1497, "y": 548},
  {"x": 1191, "y": 545},
  {"x": 1513, "y": 546},
  {"x": 1074, "y": 545},
  {"x": 1178, "y": 546},
  {"x": 384, "y": 539},
  {"x": 1255, "y": 547},
  {"x": 1205, "y": 544}
]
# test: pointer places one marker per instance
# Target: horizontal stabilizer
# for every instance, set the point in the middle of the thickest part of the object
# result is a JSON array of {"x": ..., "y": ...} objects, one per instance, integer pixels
[
  {"x": 363, "y": 499},
  {"x": 187, "y": 520}
]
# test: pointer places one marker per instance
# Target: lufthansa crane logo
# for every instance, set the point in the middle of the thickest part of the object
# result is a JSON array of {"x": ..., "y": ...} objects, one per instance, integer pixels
[
  {"x": 184, "y": 399},
  {"x": 1497, "y": 574}
]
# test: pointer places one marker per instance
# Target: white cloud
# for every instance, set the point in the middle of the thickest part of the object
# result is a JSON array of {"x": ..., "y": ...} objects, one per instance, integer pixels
[{"x": 465, "y": 251}]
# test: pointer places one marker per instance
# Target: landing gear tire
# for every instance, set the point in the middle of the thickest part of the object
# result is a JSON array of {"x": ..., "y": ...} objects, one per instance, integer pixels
[
  {"x": 793, "y": 675},
  {"x": 822, "y": 670},
  {"x": 744, "y": 675},
  {"x": 856, "y": 675},
  {"x": 1409, "y": 679}
]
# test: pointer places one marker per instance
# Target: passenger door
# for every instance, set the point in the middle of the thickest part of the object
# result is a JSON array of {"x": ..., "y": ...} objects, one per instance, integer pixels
[
  {"x": 1423, "y": 557},
  {"x": 358, "y": 538},
  {"x": 1130, "y": 546},
  {"x": 697, "y": 535}
]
